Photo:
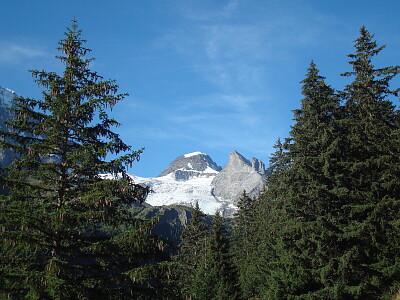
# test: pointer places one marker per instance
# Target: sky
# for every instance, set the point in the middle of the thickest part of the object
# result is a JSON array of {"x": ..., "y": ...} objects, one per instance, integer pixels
[{"x": 208, "y": 76}]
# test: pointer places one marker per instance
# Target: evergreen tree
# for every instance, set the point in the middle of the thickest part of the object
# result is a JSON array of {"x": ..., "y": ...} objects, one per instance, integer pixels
[
  {"x": 370, "y": 259},
  {"x": 245, "y": 246},
  {"x": 191, "y": 249},
  {"x": 302, "y": 196},
  {"x": 331, "y": 211},
  {"x": 215, "y": 277},
  {"x": 61, "y": 221},
  {"x": 269, "y": 218}
]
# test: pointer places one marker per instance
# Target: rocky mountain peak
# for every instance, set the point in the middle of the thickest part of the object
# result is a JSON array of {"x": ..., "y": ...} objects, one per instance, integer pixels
[
  {"x": 191, "y": 165},
  {"x": 237, "y": 160},
  {"x": 238, "y": 175},
  {"x": 258, "y": 166}
]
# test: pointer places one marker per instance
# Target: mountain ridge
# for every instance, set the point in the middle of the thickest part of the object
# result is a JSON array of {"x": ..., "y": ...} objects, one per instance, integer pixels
[{"x": 195, "y": 177}]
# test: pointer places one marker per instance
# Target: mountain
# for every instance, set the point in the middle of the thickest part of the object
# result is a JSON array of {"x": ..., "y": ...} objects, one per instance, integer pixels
[
  {"x": 237, "y": 176},
  {"x": 190, "y": 178},
  {"x": 195, "y": 177},
  {"x": 167, "y": 190},
  {"x": 191, "y": 165}
]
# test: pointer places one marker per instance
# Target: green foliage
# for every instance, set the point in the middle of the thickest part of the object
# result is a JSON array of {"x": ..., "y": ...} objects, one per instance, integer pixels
[
  {"x": 326, "y": 227},
  {"x": 215, "y": 277},
  {"x": 58, "y": 213},
  {"x": 192, "y": 248},
  {"x": 372, "y": 165},
  {"x": 328, "y": 221},
  {"x": 245, "y": 247}
]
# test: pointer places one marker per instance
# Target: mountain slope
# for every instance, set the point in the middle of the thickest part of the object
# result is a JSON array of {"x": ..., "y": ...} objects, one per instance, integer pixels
[
  {"x": 166, "y": 190},
  {"x": 195, "y": 177},
  {"x": 6, "y": 96}
]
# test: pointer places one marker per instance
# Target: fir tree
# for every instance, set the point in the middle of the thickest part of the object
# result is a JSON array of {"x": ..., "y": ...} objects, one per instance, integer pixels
[
  {"x": 215, "y": 277},
  {"x": 331, "y": 209},
  {"x": 369, "y": 262},
  {"x": 61, "y": 221},
  {"x": 191, "y": 249},
  {"x": 301, "y": 197},
  {"x": 245, "y": 246},
  {"x": 269, "y": 219}
]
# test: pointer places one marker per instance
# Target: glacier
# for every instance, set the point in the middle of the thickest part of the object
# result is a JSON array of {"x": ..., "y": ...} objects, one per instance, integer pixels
[{"x": 166, "y": 190}]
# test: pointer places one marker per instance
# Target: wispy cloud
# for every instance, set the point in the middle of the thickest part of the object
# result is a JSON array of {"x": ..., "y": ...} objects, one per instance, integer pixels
[
  {"x": 197, "y": 11},
  {"x": 229, "y": 8},
  {"x": 226, "y": 130},
  {"x": 15, "y": 53},
  {"x": 218, "y": 101},
  {"x": 236, "y": 55}
]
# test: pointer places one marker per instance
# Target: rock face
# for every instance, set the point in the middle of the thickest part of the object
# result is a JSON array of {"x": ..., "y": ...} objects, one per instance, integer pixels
[
  {"x": 191, "y": 165},
  {"x": 238, "y": 175}
]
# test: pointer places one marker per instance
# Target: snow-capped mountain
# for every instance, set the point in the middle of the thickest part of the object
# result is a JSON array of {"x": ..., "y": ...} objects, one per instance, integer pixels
[
  {"x": 166, "y": 190},
  {"x": 195, "y": 177},
  {"x": 186, "y": 180},
  {"x": 192, "y": 165},
  {"x": 237, "y": 176},
  {"x": 190, "y": 178}
]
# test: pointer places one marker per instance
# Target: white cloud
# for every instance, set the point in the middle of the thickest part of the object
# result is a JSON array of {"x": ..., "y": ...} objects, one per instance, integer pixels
[
  {"x": 236, "y": 55},
  {"x": 214, "y": 102},
  {"x": 229, "y": 8},
  {"x": 197, "y": 11},
  {"x": 15, "y": 53},
  {"x": 227, "y": 41}
]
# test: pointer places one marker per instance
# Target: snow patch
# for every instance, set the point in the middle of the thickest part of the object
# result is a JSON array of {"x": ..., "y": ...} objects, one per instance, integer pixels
[
  {"x": 166, "y": 191},
  {"x": 10, "y": 91},
  {"x": 210, "y": 170},
  {"x": 193, "y": 154}
]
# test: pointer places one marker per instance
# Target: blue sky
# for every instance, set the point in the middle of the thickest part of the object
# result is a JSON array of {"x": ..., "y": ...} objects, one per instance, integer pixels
[{"x": 209, "y": 76}]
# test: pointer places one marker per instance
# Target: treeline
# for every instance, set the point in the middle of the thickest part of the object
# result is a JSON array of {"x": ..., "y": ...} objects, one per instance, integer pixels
[{"x": 325, "y": 227}]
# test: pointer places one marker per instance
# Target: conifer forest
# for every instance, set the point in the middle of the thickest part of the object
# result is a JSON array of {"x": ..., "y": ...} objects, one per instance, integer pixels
[{"x": 326, "y": 225}]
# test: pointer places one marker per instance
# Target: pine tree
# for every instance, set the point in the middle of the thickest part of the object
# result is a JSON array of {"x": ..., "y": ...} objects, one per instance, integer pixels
[
  {"x": 215, "y": 277},
  {"x": 61, "y": 221}
]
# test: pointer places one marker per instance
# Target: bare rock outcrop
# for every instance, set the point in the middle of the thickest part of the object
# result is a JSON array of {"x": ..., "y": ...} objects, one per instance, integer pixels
[{"x": 238, "y": 175}]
